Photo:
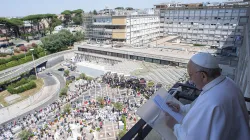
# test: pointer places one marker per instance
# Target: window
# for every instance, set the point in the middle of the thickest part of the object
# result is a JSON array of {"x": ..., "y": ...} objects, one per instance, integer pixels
[
  {"x": 222, "y": 11},
  {"x": 243, "y": 11},
  {"x": 243, "y": 19},
  {"x": 187, "y": 17},
  {"x": 228, "y": 10},
  {"x": 236, "y": 11}
]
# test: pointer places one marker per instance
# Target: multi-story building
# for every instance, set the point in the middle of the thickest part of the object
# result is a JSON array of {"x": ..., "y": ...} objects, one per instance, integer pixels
[
  {"x": 135, "y": 29},
  {"x": 219, "y": 25}
]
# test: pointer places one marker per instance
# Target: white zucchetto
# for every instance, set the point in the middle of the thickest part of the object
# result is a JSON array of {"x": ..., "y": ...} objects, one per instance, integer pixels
[{"x": 205, "y": 60}]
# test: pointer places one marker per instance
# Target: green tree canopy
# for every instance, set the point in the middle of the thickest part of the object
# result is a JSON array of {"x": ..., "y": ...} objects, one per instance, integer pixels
[
  {"x": 121, "y": 134},
  {"x": 129, "y": 8},
  {"x": 25, "y": 134},
  {"x": 78, "y": 19},
  {"x": 119, "y": 8},
  {"x": 61, "y": 40},
  {"x": 118, "y": 106},
  {"x": 82, "y": 76},
  {"x": 66, "y": 12},
  {"x": 67, "y": 17},
  {"x": 13, "y": 24},
  {"x": 78, "y": 11},
  {"x": 78, "y": 36},
  {"x": 94, "y": 12},
  {"x": 52, "y": 21}
]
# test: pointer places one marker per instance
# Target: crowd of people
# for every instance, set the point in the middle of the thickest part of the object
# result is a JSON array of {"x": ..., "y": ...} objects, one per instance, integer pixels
[{"x": 53, "y": 122}]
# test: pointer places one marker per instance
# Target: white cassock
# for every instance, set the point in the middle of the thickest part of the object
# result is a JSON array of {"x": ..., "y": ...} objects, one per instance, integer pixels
[{"x": 219, "y": 113}]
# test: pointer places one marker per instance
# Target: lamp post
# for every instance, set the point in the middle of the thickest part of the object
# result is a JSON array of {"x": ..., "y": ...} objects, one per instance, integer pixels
[
  {"x": 34, "y": 62},
  {"x": 45, "y": 51}
]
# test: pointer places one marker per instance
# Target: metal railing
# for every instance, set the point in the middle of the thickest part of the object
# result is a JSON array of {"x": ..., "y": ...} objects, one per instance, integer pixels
[{"x": 140, "y": 130}]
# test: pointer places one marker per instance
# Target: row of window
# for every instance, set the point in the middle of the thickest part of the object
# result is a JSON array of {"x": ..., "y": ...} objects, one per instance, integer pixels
[
  {"x": 103, "y": 20},
  {"x": 147, "y": 59},
  {"x": 203, "y": 11},
  {"x": 202, "y": 18}
]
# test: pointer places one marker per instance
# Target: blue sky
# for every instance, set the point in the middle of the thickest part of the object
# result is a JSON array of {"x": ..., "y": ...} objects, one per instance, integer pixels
[{"x": 27, "y": 7}]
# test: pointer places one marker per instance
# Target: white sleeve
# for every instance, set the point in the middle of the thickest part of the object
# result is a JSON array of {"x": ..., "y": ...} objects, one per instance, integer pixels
[
  {"x": 211, "y": 120},
  {"x": 185, "y": 108}
]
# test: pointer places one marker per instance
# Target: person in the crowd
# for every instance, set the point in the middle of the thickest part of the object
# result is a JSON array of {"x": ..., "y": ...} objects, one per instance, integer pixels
[{"x": 219, "y": 113}]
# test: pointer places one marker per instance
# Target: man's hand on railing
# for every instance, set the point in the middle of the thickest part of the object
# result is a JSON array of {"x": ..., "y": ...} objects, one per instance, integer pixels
[{"x": 174, "y": 106}]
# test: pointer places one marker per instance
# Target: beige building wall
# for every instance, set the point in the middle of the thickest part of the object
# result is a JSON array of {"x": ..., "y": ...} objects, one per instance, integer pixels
[
  {"x": 119, "y": 20},
  {"x": 119, "y": 34}
]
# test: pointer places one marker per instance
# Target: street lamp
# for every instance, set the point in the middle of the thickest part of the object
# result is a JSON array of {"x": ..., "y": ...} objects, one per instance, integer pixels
[
  {"x": 45, "y": 51},
  {"x": 34, "y": 62}
]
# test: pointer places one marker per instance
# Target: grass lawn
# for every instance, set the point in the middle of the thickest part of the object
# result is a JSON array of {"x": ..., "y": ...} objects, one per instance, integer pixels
[{"x": 24, "y": 95}]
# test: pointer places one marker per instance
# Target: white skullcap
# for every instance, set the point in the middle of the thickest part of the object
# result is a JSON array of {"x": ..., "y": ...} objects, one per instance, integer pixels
[{"x": 205, "y": 60}]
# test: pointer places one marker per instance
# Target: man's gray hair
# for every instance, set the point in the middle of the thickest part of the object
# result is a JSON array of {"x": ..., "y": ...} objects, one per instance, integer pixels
[{"x": 211, "y": 73}]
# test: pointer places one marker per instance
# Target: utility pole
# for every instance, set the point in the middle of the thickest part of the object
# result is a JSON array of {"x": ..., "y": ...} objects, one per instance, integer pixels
[{"x": 34, "y": 62}]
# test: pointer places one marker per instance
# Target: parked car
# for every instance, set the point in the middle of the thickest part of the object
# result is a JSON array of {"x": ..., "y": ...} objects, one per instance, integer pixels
[
  {"x": 19, "y": 45},
  {"x": 69, "y": 78},
  {"x": 61, "y": 69}
]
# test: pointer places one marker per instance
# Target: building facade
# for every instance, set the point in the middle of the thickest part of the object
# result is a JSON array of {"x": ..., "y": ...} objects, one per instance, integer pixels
[
  {"x": 219, "y": 26},
  {"x": 131, "y": 29}
]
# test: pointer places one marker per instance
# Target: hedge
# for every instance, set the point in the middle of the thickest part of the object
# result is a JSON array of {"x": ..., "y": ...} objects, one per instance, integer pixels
[
  {"x": 198, "y": 45},
  {"x": 20, "y": 59},
  {"x": 21, "y": 89},
  {"x": 19, "y": 83}
]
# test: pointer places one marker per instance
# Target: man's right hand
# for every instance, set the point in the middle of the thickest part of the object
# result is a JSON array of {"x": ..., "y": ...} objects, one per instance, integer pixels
[{"x": 174, "y": 106}]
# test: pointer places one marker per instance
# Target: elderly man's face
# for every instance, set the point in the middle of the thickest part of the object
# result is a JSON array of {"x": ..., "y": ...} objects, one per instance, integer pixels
[{"x": 196, "y": 76}]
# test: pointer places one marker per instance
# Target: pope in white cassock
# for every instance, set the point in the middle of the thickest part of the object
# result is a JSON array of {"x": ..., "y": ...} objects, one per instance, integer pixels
[{"x": 219, "y": 113}]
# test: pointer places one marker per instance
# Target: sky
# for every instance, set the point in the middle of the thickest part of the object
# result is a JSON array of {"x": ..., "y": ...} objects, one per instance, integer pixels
[{"x": 10, "y": 8}]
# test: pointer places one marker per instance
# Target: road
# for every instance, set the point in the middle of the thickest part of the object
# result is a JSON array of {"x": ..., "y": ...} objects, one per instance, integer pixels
[{"x": 48, "y": 81}]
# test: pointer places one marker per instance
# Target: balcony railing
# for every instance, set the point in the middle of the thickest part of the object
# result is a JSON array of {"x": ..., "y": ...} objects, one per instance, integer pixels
[{"x": 141, "y": 129}]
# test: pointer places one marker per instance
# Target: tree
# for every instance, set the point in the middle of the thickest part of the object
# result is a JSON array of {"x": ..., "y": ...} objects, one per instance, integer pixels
[
  {"x": 63, "y": 92},
  {"x": 67, "y": 17},
  {"x": 59, "y": 41},
  {"x": 119, "y": 8},
  {"x": 118, "y": 106},
  {"x": 66, "y": 73},
  {"x": 52, "y": 20},
  {"x": 101, "y": 101},
  {"x": 67, "y": 109},
  {"x": 78, "y": 19},
  {"x": 16, "y": 24},
  {"x": 121, "y": 134},
  {"x": 150, "y": 84},
  {"x": 25, "y": 135},
  {"x": 79, "y": 36},
  {"x": 129, "y": 8},
  {"x": 12, "y": 25},
  {"x": 32, "y": 19},
  {"x": 94, "y": 12},
  {"x": 78, "y": 11},
  {"x": 82, "y": 76}
]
